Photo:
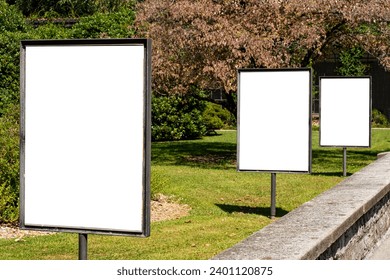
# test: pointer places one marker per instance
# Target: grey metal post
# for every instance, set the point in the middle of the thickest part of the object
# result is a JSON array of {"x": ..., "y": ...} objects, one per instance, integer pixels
[
  {"x": 344, "y": 162},
  {"x": 273, "y": 195},
  {"x": 83, "y": 246}
]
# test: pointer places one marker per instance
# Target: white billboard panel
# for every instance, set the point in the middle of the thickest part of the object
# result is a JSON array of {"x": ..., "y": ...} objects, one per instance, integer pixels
[
  {"x": 345, "y": 111},
  {"x": 85, "y": 137},
  {"x": 274, "y": 120}
]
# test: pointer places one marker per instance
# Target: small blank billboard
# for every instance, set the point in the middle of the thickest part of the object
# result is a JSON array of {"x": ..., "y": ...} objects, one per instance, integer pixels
[
  {"x": 345, "y": 111},
  {"x": 274, "y": 120},
  {"x": 85, "y": 140}
]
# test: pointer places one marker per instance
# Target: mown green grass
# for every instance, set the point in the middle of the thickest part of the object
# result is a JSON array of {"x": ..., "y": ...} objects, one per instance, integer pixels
[{"x": 227, "y": 206}]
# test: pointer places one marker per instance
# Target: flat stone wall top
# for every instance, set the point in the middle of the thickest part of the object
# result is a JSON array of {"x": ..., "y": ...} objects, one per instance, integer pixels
[{"x": 309, "y": 230}]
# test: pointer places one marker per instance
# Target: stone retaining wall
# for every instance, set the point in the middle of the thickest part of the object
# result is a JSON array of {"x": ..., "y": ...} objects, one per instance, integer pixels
[{"x": 344, "y": 222}]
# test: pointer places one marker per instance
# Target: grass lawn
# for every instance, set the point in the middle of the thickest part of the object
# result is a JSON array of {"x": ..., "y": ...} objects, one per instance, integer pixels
[{"x": 227, "y": 206}]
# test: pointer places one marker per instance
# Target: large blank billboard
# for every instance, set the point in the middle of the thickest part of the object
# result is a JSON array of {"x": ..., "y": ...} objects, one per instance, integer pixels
[
  {"x": 85, "y": 140},
  {"x": 274, "y": 120},
  {"x": 345, "y": 111}
]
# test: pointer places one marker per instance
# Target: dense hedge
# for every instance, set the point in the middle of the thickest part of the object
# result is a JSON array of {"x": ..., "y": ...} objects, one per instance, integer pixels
[
  {"x": 217, "y": 117},
  {"x": 9, "y": 164},
  {"x": 68, "y": 8},
  {"x": 176, "y": 117},
  {"x": 101, "y": 25},
  {"x": 12, "y": 29}
]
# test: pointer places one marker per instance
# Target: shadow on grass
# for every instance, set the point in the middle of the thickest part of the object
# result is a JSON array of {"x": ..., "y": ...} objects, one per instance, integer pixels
[
  {"x": 262, "y": 211},
  {"x": 329, "y": 161},
  {"x": 195, "y": 153},
  {"x": 217, "y": 152},
  {"x": 331, "y": 174},
  {"x": 331, "y": 153}
]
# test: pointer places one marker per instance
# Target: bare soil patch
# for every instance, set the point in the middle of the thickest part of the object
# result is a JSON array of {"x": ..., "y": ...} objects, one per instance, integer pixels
[
  {"x": 14, "y": 232},
  {"x": 162, "y": 209}
]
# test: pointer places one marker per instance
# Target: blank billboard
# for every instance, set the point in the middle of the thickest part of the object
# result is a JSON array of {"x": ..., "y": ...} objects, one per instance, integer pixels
[
  {"x": 274, "y": 120},
  {"x": 345, "y": 111},
  {"x": 85, "y": 140}
]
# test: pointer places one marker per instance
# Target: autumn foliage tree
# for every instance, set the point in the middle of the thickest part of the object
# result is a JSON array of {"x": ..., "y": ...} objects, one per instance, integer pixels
[{"x": 202, "y": 43}]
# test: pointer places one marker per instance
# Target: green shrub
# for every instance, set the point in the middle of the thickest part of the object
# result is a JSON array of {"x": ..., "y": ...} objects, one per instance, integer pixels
[
  {"x": 9, "y": 208},
  {"x": 12, "y": 29},
  {"x": 351, "y": 62},
  {"x": 11, "y": 18},
  {"x": 9, "y": 69},
  {"x": 9, "y": 164},
  {"x": 176, "y": 117},
  {"x": 69, "y": 8},
  {"x": 50, "y": 31},
  {"x": 111, "y": 25},
  {"x": 217, "y": 117},
  {"x": 379, "y": 119}
]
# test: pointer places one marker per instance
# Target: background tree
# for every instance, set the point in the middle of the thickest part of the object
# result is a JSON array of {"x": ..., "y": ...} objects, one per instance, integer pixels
[
  {"x": 351, "y": 64},
  {"x": 202, "y": 43}
]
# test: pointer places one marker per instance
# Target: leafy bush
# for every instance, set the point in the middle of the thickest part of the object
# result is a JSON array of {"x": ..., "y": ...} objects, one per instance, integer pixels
[
  {"x": 176, "y": 117},
  {"x": 9, "y": 207},
  {"x": 379, "y": 119},
  {"x": 9, "y": 69},
  {"x": 351, "y": 63},
  {"x": 68, "y": 8},
  {"x": 12, "y": 30},
  {"x": 11, "y": 19},
  {"x": 50, "y": 31},
  {"x": 217, "y": 117},
  {"x": 9, "y": 164},
  {"x": 100, "y": 25}
]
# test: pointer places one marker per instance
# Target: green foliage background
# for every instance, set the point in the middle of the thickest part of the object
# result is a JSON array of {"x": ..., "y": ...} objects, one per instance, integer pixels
[
  {"x": 351, "y": 63},
  {"x": 215, "y": 116},
  {"x": 176, "y": 117},
  {"x": 9, "y": 165},
  {"x": 67, "y": 8},
  {"x": 99, "y": 19}
]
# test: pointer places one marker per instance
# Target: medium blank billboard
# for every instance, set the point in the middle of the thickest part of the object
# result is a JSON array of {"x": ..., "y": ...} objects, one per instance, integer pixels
[
  {"x": 345, "y": 111},
  {"x": 85, "y": 140},
  {"x": 274, "y": 120}
]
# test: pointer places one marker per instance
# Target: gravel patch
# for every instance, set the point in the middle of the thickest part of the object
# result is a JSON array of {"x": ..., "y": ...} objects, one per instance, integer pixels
[
  {"x": 162, "y": 209},
  {"x": 14, "y": 232}
]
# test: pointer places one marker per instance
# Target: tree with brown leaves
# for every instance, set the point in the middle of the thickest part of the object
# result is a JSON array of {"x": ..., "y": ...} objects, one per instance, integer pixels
[{"x": 202, "y": 43}]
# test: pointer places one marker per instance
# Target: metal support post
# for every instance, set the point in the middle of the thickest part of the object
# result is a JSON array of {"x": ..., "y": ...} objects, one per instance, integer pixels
[
  {"x": 83, "y": 246},
  {"x": 344, "y": 162},
  {"x": 273, "y": 195}
]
